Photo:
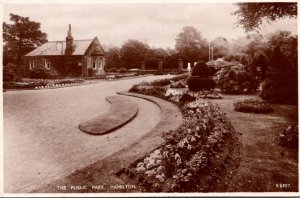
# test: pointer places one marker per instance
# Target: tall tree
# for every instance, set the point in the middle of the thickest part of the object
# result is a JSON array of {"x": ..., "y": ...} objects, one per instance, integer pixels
[
  {"x": 190, "y": 44},
  {"x": 280, "y": 85},
  {"x": 288, "y": 44},
  {"x": 20, "y": 37},
  {"x": 133, "y": 52},
  {"x": 251, "y": 15},
  {"x": 113, "y": 58},
  {"x": 220, "y": 47}
]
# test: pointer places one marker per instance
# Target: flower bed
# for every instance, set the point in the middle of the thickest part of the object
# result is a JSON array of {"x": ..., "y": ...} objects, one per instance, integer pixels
[
  {"x": 179, "y": 84},
  {"x": 37, "y": 84},
  {"x": 192, "y": 155},
  {"x": 253, "y": 105}
]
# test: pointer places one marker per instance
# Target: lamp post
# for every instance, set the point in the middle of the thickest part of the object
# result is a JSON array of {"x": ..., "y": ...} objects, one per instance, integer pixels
[{"x": 210, "y": 51}]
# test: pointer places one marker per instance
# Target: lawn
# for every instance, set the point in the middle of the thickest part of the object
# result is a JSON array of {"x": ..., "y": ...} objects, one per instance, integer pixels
[{"x": 264, "y": 165}]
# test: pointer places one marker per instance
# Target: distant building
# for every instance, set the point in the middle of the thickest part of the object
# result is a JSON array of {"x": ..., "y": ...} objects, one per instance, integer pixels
[{"x": 69, "y": 58}]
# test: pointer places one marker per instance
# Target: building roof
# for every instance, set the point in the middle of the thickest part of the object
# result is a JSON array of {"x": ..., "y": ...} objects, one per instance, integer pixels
[{"x": 57, "y": 48}]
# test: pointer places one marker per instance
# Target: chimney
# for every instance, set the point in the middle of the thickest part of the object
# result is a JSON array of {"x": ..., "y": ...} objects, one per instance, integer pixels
[{"x": 69, "y": 42}]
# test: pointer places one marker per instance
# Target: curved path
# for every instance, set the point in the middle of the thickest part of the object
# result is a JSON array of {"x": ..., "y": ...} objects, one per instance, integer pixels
[
  {"x": 42, "y": 142},
  {"x": 121, "y": 112},
  {"x": 104, "y": 172}
]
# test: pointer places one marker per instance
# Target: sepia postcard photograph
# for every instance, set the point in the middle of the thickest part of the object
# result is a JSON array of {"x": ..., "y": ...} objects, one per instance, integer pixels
[{"x": 149, "y": 98}]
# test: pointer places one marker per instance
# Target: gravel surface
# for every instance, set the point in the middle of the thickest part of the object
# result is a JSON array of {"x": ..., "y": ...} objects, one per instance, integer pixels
[{"x": 42, "y": 142}]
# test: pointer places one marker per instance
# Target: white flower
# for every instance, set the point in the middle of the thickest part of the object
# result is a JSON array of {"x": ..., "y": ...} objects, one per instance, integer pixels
[
  {"x": 193, "y": 139},
  {"x": 140, "y": 164},
  {"x": 177, "y": 156},
  {"x": 140, "y": 169}
]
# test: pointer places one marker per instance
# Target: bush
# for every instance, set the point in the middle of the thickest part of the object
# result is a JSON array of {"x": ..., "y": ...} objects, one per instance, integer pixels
[
  {"x": 280, "y": 85},
  {"x": 289, "y": 137},
  {"x": 201, "y": 78},
  {"x": 235, "y": 80},
  {"x": 201, "y": 70},
  {"x": 39, "y": 73},
  {"x": 218, "y": 64},
  {"x": 198, "y": 83},
  {"x": 253, "y": 105}
]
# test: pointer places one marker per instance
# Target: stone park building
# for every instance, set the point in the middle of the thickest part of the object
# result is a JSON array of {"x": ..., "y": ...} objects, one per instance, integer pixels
[{"x": 69, "y": 58}]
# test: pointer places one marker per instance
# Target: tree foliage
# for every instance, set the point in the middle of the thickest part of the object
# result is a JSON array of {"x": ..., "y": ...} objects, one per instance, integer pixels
[
  {"x": 133, "y": 52},
  {"x": 280, "y": 85},
  {"x": 191, "y": 45},
  {"x": 20, "y": 37},
  {"x": 288, "y": 45},
  {"x": 220, "y": 47},
  {"x": 251, "y": 15},
  {"x": 113, "y": 58}
]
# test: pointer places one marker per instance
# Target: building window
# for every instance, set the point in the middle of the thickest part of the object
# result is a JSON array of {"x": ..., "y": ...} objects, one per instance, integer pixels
[
  {"x": 94, "y": 62},
  {"x": 31, "y": 63},
  {"x": 47, "y": 63}
]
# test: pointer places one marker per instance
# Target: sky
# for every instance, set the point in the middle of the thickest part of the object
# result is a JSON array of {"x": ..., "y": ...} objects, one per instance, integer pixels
[{"x": 156, "y": 24}]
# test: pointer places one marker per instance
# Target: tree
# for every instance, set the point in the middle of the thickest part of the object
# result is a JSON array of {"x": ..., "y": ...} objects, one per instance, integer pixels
[
  {"x": 220, "y": 47},
  {"x": 288, "y": 44},
  {"x": 158, "y": 53},
  {"x": 9, "y": 72},
  {"x": 133, "y": 52},
  {"x": 113, "y": 58},
  {"x": 191, "y": 45},
  {"x": 251, "y": 15},
  {"x": 280, "y": 85},
  {"x": 20, "y": 37}
]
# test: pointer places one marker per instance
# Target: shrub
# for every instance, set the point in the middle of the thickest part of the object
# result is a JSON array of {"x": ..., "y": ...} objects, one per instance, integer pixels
[
  {"x": 196, "y": 83},
  {"x": 201, "y": 78},
  {"x": 289, "y": 137},
  {"x": 280, "y": 85},
  {"x": 218, "y": 64},
  {"x": 39, "y": 73},
  {"x": 201, "y": 70},
  {"x": 235, "y": 80},
  {"x": 253, "y": 105}
]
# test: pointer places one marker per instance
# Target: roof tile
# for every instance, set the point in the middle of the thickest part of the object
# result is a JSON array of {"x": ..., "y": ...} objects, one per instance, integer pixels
[{"x": 57, "y": 48}]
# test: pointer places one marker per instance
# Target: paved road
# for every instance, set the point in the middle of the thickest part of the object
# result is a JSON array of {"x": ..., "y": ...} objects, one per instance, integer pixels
[{"x": 42, "y": 141}]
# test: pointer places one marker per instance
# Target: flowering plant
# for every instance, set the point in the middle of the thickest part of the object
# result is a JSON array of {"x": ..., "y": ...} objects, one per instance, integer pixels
[{"x": 253, "y": 105}]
